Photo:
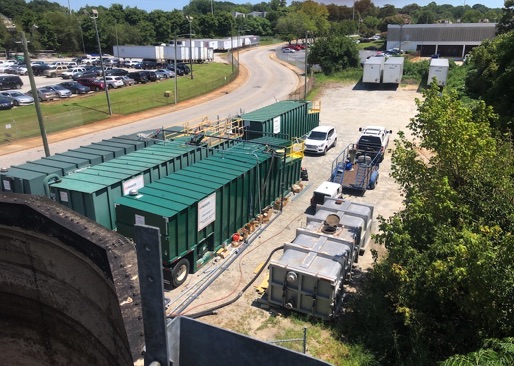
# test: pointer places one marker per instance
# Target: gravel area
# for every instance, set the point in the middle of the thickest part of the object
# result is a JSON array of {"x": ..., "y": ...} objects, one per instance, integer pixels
[{"x": 347, "y": 108}]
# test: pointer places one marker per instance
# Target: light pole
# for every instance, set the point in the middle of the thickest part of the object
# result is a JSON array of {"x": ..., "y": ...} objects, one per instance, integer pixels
[
  {"x": 94, "y": 16},
  {"x": 190, "y": 20},
  {"x": 175, "y": 68},
  {"x": 117, "y": 44},
  {"x": 305, "y": 71}
]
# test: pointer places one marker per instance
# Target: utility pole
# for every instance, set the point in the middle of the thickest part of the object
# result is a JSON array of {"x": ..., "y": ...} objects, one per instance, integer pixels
[
  {"x": 175, "y": 69},
  {"x": 33, "y": 88}
]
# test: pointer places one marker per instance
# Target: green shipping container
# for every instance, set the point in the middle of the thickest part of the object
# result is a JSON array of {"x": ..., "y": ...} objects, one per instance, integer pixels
[
  {"x": 199, "y": 208},
  {"x": 92, "y": 192},
  {"x": 287, "y": 119}
]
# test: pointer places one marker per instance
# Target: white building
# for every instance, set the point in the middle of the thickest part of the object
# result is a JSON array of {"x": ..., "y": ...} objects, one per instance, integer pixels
[{"x": 447, "y": 40}]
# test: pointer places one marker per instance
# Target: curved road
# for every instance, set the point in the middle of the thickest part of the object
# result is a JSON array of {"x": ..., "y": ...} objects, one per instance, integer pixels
[{"x": 269, "y": 81}]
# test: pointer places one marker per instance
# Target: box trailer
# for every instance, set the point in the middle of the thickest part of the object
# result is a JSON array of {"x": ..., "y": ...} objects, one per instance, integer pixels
[
  {"x": 393, "y": 70},
  {"x": 150, "y": 52},
  {"x": 438, "y": 69},
  {"x": 372, "y": 70}
]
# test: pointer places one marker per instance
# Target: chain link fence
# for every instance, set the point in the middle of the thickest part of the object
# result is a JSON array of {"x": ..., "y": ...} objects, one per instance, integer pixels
[{"x": 14, "y": 126}]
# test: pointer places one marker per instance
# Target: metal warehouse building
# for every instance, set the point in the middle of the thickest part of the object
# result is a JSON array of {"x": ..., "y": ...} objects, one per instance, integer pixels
[{"x": 447, "y": 40}]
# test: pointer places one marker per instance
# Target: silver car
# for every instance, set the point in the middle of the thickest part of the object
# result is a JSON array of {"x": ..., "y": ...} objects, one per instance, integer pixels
[
  {"x": 61, "y": 91},
  {"x": 17, "y": 97},
  {"x": 45, "y": 94},
  {"x": 164, "y": 74},
  {"x": 128, "y": 81}
]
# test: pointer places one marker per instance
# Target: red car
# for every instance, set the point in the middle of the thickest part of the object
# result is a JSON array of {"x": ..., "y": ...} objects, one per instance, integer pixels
[{"x": 93, "y": 84}]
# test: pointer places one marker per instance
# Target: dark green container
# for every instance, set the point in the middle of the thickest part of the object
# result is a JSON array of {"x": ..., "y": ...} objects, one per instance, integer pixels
[
  {"x": 17, "y": 180},
  {"x": 93, "y": 191},
  {"x": 104, "y": 155},
  {"x": 287, "y": 119},
  {"x": 90, "y": 158},
  {"x": 199, "y": 208}
]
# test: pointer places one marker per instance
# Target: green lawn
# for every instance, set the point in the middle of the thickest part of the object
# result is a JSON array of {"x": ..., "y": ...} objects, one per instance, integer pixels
[{"x": 22, "y": 122}]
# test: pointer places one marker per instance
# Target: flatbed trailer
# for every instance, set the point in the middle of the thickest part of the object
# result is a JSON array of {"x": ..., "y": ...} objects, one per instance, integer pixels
[{"x": 355, "y": 170}]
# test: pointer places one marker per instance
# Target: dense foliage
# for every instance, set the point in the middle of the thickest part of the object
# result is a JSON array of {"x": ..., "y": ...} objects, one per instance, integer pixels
[
  {"x": 447, "y": 283},
  {"x": 334, "y": 53},
  {"x": 491, "y": 77}
]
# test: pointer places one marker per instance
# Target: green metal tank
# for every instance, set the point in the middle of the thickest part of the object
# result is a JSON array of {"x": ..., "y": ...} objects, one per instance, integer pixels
[
  {"x": 200, "y": 207},
  {"x": 287, "y": 119},
  {"x": 92, "y": 192}
]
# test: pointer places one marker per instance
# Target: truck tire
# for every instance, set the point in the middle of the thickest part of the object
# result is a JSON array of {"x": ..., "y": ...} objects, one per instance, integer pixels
[
  {"x": 373, "y": 180},
  {"x": 180, "y": 272}
]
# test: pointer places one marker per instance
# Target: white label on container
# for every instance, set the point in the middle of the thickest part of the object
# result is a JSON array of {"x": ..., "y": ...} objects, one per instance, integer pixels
[
  {"x": 140, "y": 220},
  {"x": 276, "y": 124},
  {"x": 64, "y": 196},
  {"x": 206, "y": 211},
  {"x": 134, "y": 183},
  {"x": 7, "y": 185}
]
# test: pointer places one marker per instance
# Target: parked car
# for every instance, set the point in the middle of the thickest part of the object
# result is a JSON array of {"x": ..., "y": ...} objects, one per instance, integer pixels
[
  {"x": 148, "y": 65},
  {"x": 75, "y": 87},
  {"x": 288, "y": 50},
  {"x": 44, "y": 93},
  {"x": 10, "y": 82},
  {"x": 116, "y": 72},
  {"x": 165, "y": 73},
  {"x": 6, "y": 103},
  {"x": 139, "y": 76},
  {"x": 70, "y": 72},
  {"x": 320, "y": 139},
  {"x": 151, "y": 75},
  {"x": 16, "y": 70},
  {"x": 61, "y": 91},
  {"x": 131, "y": 63},
  {"x": 38, "y": 70},
  {"x": 178, "y": 71},
  {"x": 55, "y": 71},
  {"x": 114, "y": 82},
  {"x": 86, "y": 74},
  {"x": 93, "y": 84},
  {"x": 18, "y": 98},
  {"x": 127, "y": 80},
  {"x": 184, "y": 66}
]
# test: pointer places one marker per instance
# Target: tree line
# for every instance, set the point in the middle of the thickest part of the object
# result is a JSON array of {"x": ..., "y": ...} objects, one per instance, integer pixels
[{"x": 50, "y": 26}]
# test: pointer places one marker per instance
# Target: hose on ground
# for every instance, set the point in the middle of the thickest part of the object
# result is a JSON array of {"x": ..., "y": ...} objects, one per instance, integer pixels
[{"x": 212, "y": 310}]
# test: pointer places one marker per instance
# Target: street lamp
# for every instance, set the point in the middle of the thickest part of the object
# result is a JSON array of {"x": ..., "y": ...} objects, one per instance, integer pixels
[
  {"x": 190, "y": 20},
  {"x": 94, "y": 16}
]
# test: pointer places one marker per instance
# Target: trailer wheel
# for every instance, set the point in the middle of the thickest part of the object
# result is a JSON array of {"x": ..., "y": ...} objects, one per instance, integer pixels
[
  {"x": 180, "y": 272},
  {"x": 374, "y": 180}
]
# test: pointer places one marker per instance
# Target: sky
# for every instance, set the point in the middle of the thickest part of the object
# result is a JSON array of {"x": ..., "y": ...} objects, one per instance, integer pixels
[{"x": 169, "y": 5}]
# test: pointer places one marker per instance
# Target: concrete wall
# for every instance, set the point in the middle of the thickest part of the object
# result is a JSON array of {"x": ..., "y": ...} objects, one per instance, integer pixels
[{"x": 69, "y": 288}]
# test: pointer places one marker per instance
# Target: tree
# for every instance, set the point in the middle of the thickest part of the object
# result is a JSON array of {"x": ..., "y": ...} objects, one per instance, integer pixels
[
  {"x": 506, "y": 23},
  {"x": 491, "y": 76},
  {"x": 334, "y": 53},
  {"x": 447, "y": 283},
  {"x": 293, "y": 26}
]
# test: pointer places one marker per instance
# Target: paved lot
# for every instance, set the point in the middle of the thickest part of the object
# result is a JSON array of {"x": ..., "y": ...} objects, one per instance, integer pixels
[{"x": 347, "y": 108}]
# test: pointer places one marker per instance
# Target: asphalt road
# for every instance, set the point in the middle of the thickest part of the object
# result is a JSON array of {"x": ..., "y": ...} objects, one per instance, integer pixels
[{"x": 268, "y": 82}]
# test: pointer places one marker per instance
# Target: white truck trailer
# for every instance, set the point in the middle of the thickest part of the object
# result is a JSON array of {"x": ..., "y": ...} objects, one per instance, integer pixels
[
  {"x": 438, "y": 69},
  {"x": 150, "y": 52},
  {"x": 393, "y": 70},
  {"x": 373, "y": 69}
]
